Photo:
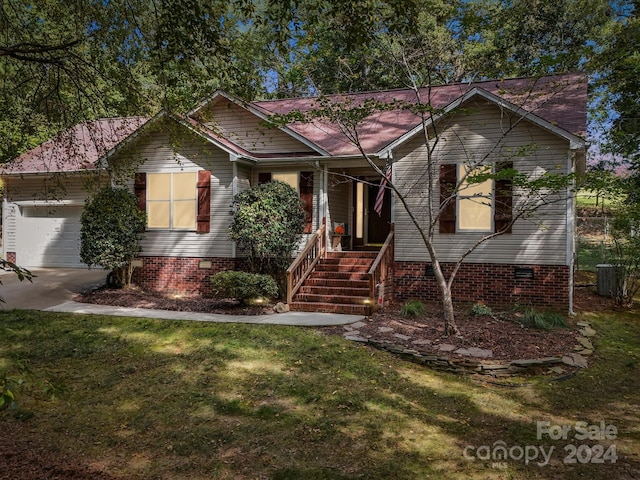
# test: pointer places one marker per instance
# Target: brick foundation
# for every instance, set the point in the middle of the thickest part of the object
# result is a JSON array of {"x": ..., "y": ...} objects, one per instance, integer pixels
[
  {"x": 493, "y": 284},
  {"x": 176, "y": 275},
  {"x": 11, "y": 257}
]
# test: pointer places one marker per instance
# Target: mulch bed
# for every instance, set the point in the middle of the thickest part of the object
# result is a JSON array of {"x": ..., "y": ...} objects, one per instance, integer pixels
[{"x": 504, "y": 336}]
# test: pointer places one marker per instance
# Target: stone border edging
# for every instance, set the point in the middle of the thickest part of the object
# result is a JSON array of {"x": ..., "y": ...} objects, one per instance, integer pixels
[{"x": 466, "y": 366}]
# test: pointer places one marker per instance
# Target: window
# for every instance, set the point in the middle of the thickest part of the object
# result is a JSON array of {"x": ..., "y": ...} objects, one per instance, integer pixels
[
  {"x": 175, "y": 201},
  {"x": 474, "y": 206},
  {"x": 475, "y": 202}
]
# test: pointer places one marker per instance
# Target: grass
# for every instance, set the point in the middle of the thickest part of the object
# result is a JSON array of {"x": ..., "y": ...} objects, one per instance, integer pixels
[{"x": 175, "y": 400}]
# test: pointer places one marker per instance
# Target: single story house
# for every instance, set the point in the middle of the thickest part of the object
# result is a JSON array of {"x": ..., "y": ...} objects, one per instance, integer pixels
[{"x": 186, "y": 171}]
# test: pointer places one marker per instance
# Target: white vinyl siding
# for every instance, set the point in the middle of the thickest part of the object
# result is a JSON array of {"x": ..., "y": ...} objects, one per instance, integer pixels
[
  {"x": 472, "y": 136},
  {"x": 190, "y": 153},
  {"x": 249, "y": 131},
  {"x": 41, "y": 219}
]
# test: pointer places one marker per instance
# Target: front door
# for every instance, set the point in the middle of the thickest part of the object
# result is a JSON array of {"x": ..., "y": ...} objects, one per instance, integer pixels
[{"x": 371, "y": 228}]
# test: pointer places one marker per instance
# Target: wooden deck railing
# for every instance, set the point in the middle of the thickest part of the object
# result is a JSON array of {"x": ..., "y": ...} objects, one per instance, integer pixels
[
  {"x": 302, "y": 266},
  {"x": 382, "y": 267}
]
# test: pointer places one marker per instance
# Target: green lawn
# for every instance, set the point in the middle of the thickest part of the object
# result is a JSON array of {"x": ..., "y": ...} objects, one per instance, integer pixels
[{"x": 145, "y": 399}]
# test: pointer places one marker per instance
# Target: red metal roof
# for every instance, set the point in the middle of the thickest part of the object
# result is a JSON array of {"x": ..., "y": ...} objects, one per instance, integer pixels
[
  {"x": 560, "y": 100},
  {"x": 77, "y": 149}
]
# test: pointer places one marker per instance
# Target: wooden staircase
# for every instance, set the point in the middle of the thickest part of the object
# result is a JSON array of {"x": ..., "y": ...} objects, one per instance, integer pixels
[{"x": 339, "y": 283}]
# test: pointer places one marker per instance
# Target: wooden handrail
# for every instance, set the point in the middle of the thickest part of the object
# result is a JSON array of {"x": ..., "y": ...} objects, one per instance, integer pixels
[
  {"x": 302, "y": 266},
  {"x": 381, "y": 266}
]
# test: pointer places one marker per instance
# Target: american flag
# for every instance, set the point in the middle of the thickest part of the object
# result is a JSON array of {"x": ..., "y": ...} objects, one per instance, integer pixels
[{"x": 383, "y": 184}]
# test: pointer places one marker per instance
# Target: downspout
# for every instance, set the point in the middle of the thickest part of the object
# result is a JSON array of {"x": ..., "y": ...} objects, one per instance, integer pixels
[
  {"x": 570, "y": 225},
  {"x": 234, "y": 191}
]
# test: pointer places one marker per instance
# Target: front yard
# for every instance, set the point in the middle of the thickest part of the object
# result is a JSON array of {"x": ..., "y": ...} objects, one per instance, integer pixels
[{"x": 126, "y": 398}]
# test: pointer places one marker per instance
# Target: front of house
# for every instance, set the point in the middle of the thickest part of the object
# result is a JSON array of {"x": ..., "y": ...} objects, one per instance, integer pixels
[{"x": 186, "y": 171}]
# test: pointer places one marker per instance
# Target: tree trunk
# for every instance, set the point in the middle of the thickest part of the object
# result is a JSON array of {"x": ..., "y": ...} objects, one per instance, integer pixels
[{"x": 450, "y": 327}]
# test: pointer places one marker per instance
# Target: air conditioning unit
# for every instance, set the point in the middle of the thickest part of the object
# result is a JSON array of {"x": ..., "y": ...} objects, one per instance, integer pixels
[{"x": 607, "y": 279}]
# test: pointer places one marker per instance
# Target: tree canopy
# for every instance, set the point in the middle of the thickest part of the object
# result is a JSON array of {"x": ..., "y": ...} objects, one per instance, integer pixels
[{"x": 64, "y": 62}]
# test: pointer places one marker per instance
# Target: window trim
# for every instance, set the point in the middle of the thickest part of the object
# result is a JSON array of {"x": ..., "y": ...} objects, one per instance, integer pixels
[
  {"x": 501, "y": 201},
  {"x": 460, "y": 197},
  {"x": 202, "y": 192}
]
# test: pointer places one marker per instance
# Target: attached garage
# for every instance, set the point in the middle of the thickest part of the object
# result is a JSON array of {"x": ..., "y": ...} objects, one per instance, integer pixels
[{"x": 48, "y": 236}]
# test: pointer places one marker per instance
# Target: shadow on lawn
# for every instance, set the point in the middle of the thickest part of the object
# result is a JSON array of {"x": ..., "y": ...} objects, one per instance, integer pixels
[{"x": 155, "y": 399}]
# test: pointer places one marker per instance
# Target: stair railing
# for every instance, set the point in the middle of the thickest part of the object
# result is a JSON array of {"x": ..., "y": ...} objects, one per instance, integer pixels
[
  {"x": 381, "y": 269},
  {"x": 302, "y": 266}
]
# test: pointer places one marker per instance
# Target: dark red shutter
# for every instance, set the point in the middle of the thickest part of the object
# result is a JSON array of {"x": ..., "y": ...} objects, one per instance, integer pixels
[
  {"x": 306, "y": 195},
  {"x": 140, "y": 188},
  {"x": 204, "y": 202},
  {"x": 264, "y": 177},
  {"x": 503, "y": 211},
  {"x": 448, "y": 180}
]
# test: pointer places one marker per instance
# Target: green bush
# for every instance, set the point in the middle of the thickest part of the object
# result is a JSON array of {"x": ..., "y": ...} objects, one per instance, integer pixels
[
  {"x": 243, "y": 286},
  {"x": 111, "y": 232},
  {"x": 267, "y": 226},
  {"x": 480, "y": 310},
  {"x": 543, "y": 320},
  {"x": 413, "y": 308}
]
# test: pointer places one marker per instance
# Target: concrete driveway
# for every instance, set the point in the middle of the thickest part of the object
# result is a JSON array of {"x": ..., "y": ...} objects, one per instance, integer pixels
[{"x": 51, "y": 287}]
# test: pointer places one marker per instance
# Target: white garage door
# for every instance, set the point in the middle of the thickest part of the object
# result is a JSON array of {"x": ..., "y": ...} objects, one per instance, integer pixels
[{"x": 49, "y": 237}]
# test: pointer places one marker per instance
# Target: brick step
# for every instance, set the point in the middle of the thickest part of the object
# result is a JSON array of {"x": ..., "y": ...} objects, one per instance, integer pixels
[
  {"x": 335, "y": 282},
  {"x": 342, "y": 299},
  {"x": 353, "y": 276},
  {"x": 324, "y": 267},
  {"x": 333, "y": 290},
  {"x": 346, "y": 261},
  {"x": 352, "y": 254},
  {"x": 331, "y": 308}
]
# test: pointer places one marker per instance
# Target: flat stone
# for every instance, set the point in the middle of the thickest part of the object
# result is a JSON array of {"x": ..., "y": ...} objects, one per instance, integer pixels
[
  {"x": 421, "y": 341},
  {"x": 575, "y": 360},
  {"x": 385, "y": 329},
  {"x": 557, "y": 370},
  {"x": 586, "y": 352},
  {"x": 475, "y": 352},
  {"x": 527, "y": 362},
  {"x": 358, "y": 325},
  {"x": 348, "y": 328},
  {"x": 401, "y": 336},
  {"x": 585, "y": 342},
  {"x": 445, "y": 347},
  {"x": 356, "y": 338},
  {"x": 497, "y": 366},
  {"x": 352, "y": 332},
  {"x": 583, "y": 324},
  {"x": 587, "y": 332}
]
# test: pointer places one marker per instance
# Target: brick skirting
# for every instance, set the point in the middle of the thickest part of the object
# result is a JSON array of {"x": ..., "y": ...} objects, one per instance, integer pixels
[
  {"x": 177, "y": 275},
  {"x": 493, "y": 284}
]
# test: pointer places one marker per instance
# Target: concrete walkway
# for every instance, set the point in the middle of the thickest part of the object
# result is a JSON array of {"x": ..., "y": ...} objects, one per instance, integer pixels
[
  {"x": 53, "y": 290},
  {"x": 301, "y": 319}
]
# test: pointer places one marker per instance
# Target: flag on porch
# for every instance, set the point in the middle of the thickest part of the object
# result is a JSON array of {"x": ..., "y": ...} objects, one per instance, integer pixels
[{"x": 381, "y": 189}]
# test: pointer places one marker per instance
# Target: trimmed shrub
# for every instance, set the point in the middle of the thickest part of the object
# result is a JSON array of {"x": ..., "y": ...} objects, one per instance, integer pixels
[
  {"x": 243, "y": 286},
  {"x": 543, "y": 320},
  {"x": 111, "y": 231},
  {"x": 412, "y": 308},
  {"x": 481, "y": 310}
]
